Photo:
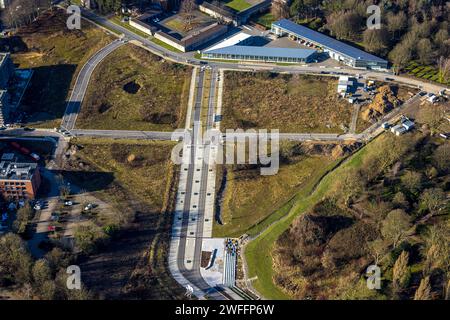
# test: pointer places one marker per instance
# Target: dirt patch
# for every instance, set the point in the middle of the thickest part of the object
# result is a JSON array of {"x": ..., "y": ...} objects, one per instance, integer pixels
[{"x": 385, "y": 100}]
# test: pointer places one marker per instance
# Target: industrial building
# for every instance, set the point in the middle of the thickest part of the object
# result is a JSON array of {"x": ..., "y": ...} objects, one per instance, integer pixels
[
  {"x": 337, "y": 50},
  {"x": 263, "y": 54},
  {"x": 229, "y": 15},
  {"x": 192, "y": 41},
  {"x": 343, "y": 85},
  {"x": 18, "y": 180},
  {"x": 142, "y": 22}
]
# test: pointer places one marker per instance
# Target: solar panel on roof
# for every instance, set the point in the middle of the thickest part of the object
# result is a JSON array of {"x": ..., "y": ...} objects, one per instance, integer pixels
[{"x": 327, "y": 41}]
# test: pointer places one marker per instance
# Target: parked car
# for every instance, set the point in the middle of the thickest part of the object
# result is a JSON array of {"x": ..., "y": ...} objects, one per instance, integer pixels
[
  {"x": 88, "y": 207},
  {"x": 35, "y": 156},
  {"x": 37, "y": 206},
  {"x": 68, "y": 203}
]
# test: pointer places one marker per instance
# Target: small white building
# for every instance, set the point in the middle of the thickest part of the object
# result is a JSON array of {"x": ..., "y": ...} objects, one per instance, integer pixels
[
  {"x": 343, "y": 85},
  {"x": 408, "y": 125},
  {"x": 398, "y": 130}
]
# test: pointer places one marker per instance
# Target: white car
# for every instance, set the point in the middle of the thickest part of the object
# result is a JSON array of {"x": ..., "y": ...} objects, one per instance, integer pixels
[{"x": 68, "y": 203}]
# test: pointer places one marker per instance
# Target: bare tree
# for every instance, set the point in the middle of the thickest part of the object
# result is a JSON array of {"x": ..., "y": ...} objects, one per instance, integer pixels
[
  {"x": 280, "y": 10},
  {"x": 444, "y": 69},
  {"x": 187, "y": 8},
  {"x": 22, "y": 12}
]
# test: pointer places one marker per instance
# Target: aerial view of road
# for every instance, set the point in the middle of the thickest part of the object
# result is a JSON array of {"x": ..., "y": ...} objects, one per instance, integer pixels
[{"x": 117, "y": 183}]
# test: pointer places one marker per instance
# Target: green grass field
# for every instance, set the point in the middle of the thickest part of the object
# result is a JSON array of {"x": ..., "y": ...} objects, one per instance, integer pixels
[
  {"x": 117, "y": 20},
  {"x": 239, "y": 213},
  {"x": 136, "y": 90},
  {"x": 265, "y": 20},
  {"x": 165, "y": 45},
  {"x": 238, "y": 5},
  {"x": 258, "y": 252}
]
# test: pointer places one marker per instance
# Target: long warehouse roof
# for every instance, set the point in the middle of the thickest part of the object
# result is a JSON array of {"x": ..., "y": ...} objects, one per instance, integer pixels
[
  {"x": 326, "y": 41},
  {"x": 264, "y": 51},
  {"x": 231, "y": 41}
]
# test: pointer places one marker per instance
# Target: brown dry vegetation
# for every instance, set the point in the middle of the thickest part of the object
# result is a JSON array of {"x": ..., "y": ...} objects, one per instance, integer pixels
[
  {"x": 138, "y": 180},
  {"x": 385, "y": 196},
  {"x": 56, "y": 54},
  {"x": 136, "y": 90},
  {"x": 291, "y": 103}
]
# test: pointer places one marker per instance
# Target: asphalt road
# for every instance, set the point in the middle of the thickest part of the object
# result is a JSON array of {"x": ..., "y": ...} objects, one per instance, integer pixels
[
  {"x": 81, "y": 85},
  {"x": 78, "y": 93},
  {"x": 190, "y": 214},
  {"x": 189, "y": 59},
  {"x": 122, "y": 134}
]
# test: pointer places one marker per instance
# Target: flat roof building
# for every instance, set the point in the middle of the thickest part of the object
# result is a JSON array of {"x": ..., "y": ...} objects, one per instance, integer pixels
[
  {"x": 264, "y": 54},
  {"x": 220, "y": 10},
  {"x": 337, "y": 50},
  {"x": 18, "y": 180},
  {"x": 240, "y": 38},
  {"x": 398, "y": 130},
  {"x": 142, "y": 22},
  {"x": 343, "y": 85},
  {"x": 192, "y": 41}
]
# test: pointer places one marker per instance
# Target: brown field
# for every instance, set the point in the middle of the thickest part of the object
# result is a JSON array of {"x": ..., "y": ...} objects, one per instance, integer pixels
[
  {"x": 136, "y": 90},
  {"x": 137, "y": 179},
  {"x": 290, "y": 103},
  {"x": 56, "y": 54}
]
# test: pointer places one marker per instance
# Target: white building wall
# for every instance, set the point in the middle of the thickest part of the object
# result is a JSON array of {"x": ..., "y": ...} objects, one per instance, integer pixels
[
  {"x": 140, "y": 27},
  {"x": 170, "y": 42}
]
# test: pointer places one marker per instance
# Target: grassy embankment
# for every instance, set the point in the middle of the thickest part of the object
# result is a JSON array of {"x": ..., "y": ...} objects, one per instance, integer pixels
[
  {"x": 258, "y": 252},
  {"x": 274, "y": 195}
]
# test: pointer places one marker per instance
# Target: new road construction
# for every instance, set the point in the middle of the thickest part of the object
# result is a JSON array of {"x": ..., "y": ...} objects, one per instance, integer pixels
[{"x": 193, "y": 216}]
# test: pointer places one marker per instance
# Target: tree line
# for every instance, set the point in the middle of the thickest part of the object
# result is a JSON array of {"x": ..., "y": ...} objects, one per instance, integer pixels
[{"x": 410, "y": 29}]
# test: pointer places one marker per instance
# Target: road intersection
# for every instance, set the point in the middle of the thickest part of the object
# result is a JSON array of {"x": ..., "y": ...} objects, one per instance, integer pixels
[{"x": 193, "y": 215}]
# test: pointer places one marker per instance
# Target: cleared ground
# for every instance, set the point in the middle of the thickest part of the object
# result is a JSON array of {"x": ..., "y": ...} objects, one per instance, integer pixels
[
  {"x": 290, "y": 103},
  {"x": 133, "y": 89},
  {"x": 56, "y": 54},
  {"x": 137, "y": 179}
]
